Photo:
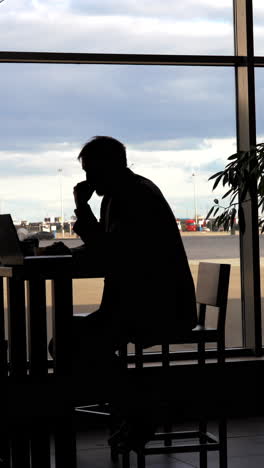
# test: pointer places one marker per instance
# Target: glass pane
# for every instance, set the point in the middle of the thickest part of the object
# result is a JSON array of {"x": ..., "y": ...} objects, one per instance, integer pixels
[
  {"x": 259, "y": 76},
  {"x": 176, "y": 125},
  {"x": 258, "y": 12},
  {"x": 118, "y": 26}
]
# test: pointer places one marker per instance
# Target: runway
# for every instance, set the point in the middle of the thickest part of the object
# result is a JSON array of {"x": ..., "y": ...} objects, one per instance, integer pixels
[
  {"x": 217, "y": 247},
  {"x": 198, "y": 246}
]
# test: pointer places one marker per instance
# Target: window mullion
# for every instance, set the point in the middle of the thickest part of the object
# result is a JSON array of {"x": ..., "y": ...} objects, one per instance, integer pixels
[{"x": 246, "y": 138}]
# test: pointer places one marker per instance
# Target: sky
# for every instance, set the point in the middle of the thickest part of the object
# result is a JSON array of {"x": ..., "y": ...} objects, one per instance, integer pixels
[{"x": 178, "y": 123}]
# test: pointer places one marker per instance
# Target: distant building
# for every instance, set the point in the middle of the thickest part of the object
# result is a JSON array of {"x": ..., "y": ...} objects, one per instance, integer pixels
[{"x": 49, "y": 220}]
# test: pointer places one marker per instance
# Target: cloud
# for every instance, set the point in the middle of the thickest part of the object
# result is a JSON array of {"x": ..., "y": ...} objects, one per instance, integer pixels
[
  {"x": 144, "y": 8},
  {"x": 37, "y": 193},
  {"x": 259, "y": 101},
  {"x": 155, "y": 8},
  {"x": 54, "y": 104},
  {"x": 258, "y": 14},
  {"x": 42, "y": 162},
  {"x": 173, "y": 172},
  {"x": 118, "y": 26}
]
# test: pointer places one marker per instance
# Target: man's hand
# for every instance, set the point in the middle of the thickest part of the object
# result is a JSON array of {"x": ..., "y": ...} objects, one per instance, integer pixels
[
  {"x": 57, "y": 248},
  {"x": 82, "y": 193}
]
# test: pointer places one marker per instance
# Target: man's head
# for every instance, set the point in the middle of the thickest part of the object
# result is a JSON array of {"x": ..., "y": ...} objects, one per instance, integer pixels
[{"x": 103, "y": 159}]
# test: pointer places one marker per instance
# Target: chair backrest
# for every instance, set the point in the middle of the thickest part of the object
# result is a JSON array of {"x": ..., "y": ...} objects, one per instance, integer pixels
[{"x": 212, "y": 290}]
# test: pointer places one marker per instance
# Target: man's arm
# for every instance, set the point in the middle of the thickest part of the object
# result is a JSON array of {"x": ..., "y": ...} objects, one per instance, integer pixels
[{"x": 86, "y": 226}]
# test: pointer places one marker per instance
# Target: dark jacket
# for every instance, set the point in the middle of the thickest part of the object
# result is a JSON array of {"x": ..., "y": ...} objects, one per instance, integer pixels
[{"x": 148, "y": 283}]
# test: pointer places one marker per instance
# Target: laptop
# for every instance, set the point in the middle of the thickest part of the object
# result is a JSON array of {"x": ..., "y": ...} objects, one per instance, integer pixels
[
  {"x": 15, "y": 252},
  {"x": 11, "y": 252}
]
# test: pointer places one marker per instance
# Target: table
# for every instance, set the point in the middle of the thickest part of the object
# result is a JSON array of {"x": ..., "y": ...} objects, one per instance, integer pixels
[{"x": 31, "y": 382}]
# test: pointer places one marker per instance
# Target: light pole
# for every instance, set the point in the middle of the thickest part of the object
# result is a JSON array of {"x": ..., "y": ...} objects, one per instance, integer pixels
[
  {"x": 61, "y": 203},
  {"x": 195, "y": 198}
]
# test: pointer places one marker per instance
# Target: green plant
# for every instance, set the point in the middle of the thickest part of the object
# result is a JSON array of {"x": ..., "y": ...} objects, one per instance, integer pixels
[{"x": 242, "y": 175}]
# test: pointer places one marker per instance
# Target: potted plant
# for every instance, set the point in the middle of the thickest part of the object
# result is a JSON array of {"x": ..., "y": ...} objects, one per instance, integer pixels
[{"x": 243, "y": 173}]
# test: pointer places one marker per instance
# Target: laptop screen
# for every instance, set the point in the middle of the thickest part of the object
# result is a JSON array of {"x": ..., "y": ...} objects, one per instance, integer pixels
[{"x": 10, "y": 250}]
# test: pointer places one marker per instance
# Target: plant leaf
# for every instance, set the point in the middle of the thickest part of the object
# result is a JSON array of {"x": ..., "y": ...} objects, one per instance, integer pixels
[
  {"x": 215, "y": 175},
  {"x": 209, "y": 212},
  {"x": 217, "y": 181},
  {"x": 216, "y": 210},
  {"x": 233, "y": 156},
  {"x": 227, "y": 193},
  {"x": 232, "y": 217},
  {"x": 226, "y": 223},
  {"x": 233, "y": 197}
]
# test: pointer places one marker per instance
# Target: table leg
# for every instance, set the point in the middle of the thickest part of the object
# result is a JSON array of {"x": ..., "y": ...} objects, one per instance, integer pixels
[
  {"x": 37, "y": 327},
  {"x": 17, "y": 327},
  {"x": 62, "y": 312},
  {"x": 64, "y": 436}
]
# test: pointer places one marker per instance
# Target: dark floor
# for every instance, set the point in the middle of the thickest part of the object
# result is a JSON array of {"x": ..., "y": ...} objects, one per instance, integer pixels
[{"x": 245, "y": 449}]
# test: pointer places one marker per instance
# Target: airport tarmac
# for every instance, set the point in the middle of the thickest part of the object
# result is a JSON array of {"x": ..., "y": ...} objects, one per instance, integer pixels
[{"x": 200, "y": 246}]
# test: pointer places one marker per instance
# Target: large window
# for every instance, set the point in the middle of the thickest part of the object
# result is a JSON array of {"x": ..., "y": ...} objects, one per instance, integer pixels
[
  {"x": 174, "y": 124},
  {"x": 177, "y": 114}
]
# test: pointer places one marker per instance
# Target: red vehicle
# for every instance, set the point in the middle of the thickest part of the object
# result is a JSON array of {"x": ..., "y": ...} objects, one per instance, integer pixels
[{"x": 190, "y": 225}]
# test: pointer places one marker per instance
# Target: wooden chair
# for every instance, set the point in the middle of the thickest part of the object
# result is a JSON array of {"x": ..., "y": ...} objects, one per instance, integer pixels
[{"x": 211, "y": 290}]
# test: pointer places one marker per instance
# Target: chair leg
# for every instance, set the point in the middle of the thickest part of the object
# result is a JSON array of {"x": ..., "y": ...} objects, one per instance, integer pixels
[
  {"x": 114, "y": 454},
  {"x": 126, "y": 460},
  {"x": 202, "y": 440},
  {"x": 167, "y": 428},
  {"x": 65, "y": 444},
  {"x": 223, "y": 443},
  {"x": 20, "y": 448},
  {"x": 4, "y": 450},
  {"x": 40, "y": 446},
  {"x": 141, "y": 461}
]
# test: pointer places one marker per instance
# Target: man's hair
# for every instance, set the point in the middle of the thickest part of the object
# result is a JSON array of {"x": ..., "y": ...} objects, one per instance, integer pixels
[{"x": 105, "y": 148}]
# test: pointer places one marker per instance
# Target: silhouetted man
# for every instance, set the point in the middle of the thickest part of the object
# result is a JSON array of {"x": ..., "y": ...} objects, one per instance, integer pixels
[{"x": 149, "y": 291}]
